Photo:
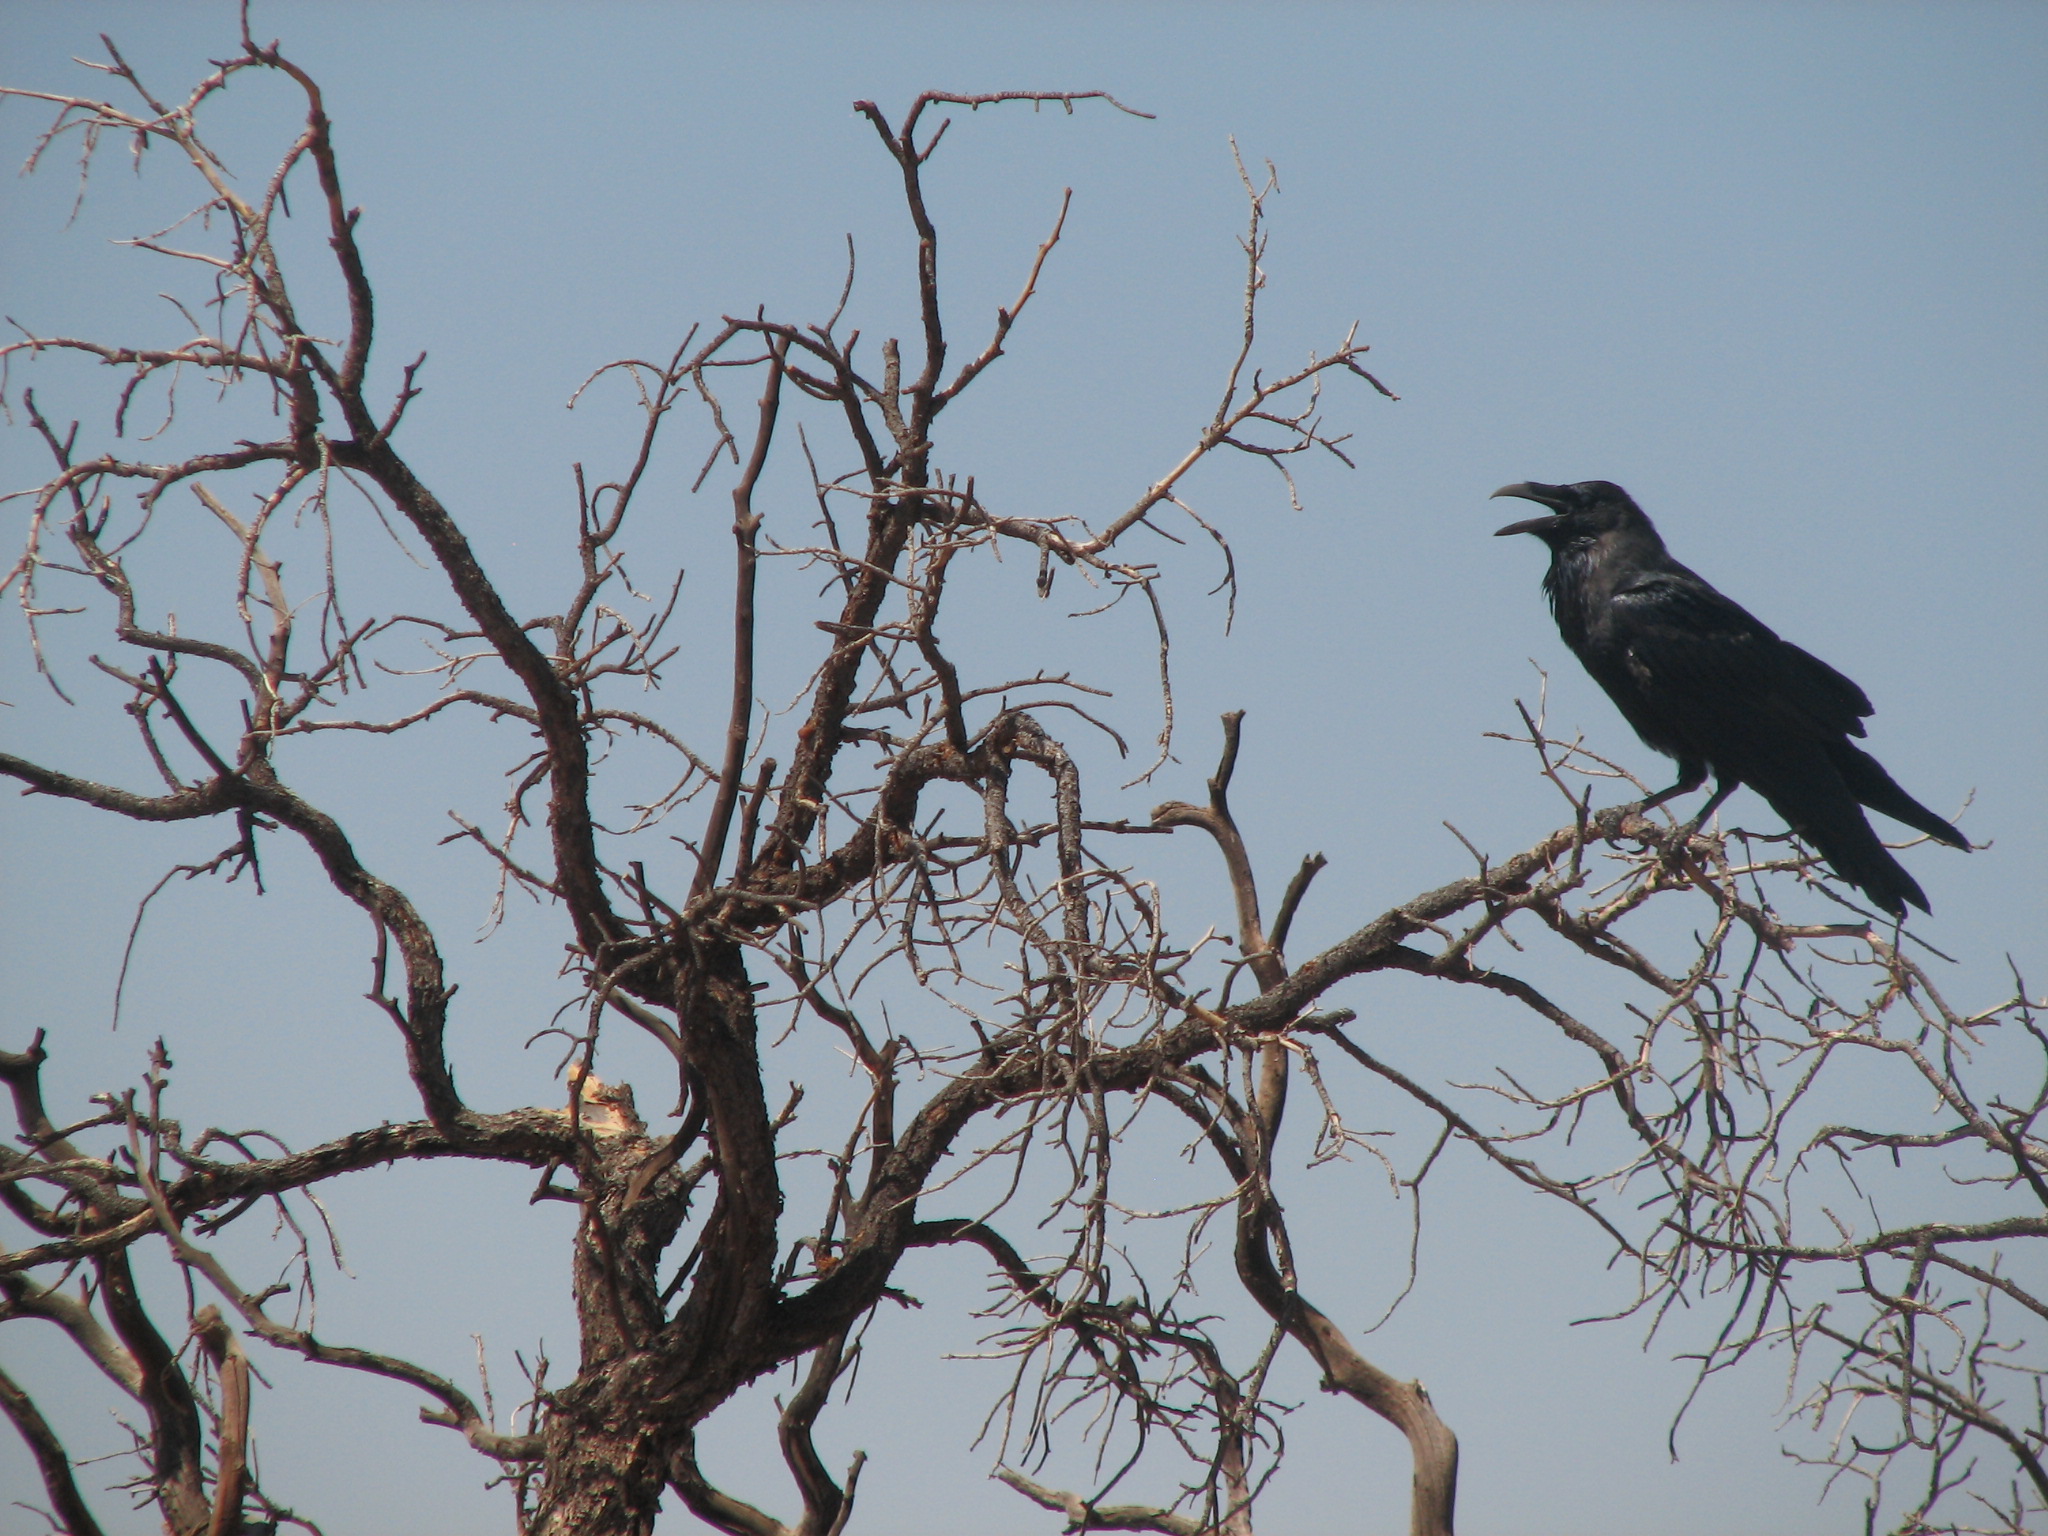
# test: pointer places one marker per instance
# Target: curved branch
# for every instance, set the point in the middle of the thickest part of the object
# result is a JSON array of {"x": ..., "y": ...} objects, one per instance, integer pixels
[{"x": 50, "y": 1458}]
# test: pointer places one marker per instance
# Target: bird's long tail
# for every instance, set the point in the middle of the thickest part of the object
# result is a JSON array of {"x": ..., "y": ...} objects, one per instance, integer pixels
[
  {"x": 1877, "y": 789},
  {"x": 1821, "y": 807}
]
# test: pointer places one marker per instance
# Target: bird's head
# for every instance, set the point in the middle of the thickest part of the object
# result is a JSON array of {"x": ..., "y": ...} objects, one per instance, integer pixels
[{"x": 1577, "y": 512}]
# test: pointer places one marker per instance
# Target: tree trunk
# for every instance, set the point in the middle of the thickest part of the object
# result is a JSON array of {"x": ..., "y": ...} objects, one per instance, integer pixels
[{"x": 605, "y": 1461}]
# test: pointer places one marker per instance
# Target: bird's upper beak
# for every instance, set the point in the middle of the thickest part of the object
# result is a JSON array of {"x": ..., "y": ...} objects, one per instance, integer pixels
[{"x": 1552, "y": 496}]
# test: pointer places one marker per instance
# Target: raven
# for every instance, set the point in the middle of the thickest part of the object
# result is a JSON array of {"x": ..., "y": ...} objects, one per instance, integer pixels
[{"x": 1705, "y": 682}]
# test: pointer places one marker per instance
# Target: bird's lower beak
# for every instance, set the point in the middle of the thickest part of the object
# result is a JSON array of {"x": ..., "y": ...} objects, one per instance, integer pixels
[{"x": 1551, "y": 496}]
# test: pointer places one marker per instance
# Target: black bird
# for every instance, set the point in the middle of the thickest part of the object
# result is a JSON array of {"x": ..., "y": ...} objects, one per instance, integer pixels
[{"x": 1705, "y": 682}]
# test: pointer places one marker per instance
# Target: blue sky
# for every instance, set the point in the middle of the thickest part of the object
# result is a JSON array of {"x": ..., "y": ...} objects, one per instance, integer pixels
[{"x": 1778, "y": 269}]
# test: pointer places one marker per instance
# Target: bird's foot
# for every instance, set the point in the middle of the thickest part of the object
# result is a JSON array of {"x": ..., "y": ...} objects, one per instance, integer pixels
[{"x": 1675, "y": 849}]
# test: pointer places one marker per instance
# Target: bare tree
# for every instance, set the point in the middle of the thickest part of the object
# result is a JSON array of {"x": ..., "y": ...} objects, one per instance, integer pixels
[{"x": 705, "y": 1257}]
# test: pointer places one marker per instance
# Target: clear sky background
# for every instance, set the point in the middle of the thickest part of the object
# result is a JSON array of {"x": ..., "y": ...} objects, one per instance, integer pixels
[{"x": 1778, "y": 269}]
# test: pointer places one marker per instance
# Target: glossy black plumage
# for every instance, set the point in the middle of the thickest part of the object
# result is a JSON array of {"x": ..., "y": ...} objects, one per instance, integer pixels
[{"x": 1707, "y": 683}]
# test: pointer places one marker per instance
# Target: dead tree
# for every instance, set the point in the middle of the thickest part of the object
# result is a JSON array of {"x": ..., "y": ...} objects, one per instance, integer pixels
[{"x": 812, "y": 892}]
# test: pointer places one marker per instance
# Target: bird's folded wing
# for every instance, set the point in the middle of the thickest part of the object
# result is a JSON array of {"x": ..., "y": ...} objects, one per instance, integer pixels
[{"x": 1727, "y": 671}]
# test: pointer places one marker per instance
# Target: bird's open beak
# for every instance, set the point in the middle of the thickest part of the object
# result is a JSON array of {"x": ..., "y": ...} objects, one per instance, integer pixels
[{"x": 1551, "y": 496}]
